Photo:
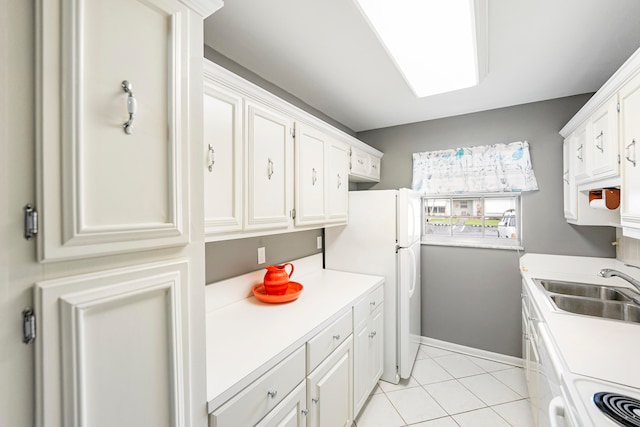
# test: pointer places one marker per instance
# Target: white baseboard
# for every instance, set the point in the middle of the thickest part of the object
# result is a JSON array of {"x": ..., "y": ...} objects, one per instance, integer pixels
[{"x": 475, "y": 352}]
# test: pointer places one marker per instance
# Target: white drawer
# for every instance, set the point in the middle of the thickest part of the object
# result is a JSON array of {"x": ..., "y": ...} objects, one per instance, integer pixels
[
  {"x": 320, "y": 346},
  {"x": 258, "y": 399},
  {"x": 367, "y": 305}
]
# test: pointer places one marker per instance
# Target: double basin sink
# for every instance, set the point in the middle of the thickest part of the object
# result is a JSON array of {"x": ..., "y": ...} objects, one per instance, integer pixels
[{"x": 593, "y": 300}]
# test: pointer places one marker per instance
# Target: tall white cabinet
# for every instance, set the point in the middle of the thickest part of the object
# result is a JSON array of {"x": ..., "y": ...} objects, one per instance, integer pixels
[{"x": 118, "y": 309}]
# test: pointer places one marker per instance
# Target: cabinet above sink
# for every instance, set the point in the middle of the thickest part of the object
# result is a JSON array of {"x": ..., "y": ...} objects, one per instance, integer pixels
[{"x": 601, "y": 151}]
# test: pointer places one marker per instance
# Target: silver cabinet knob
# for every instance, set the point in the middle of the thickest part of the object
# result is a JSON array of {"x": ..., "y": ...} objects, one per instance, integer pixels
[
  {"x": 315, "y": 400},
  {"x": 272, "y": 393},
  {"x": 336, "y": 337}
]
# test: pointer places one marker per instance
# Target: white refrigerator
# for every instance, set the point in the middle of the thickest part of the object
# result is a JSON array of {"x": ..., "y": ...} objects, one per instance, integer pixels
[{"x": 383, "y": 238}]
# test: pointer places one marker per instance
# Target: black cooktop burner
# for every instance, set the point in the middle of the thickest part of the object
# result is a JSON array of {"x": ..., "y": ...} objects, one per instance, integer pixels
[{"x": 623, "y": 409}]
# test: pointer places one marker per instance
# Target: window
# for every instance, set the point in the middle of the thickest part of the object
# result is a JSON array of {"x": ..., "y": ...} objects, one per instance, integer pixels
[{"x": 491, "y": 221}]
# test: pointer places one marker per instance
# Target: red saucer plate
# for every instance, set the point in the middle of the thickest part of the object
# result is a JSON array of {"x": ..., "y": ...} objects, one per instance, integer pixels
[{"x": 293, "y": 292}]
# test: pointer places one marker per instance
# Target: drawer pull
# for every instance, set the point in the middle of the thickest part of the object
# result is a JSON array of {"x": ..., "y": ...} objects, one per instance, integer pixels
[
  {"x": 315, "y": 400},
  {"x": 336, "y": 337},
  {"x": 304, "y": 412},
  {"x": 372, "y": 303},
  {"x": 372, "y": 334},
  {"x": 272, "y": 393}
]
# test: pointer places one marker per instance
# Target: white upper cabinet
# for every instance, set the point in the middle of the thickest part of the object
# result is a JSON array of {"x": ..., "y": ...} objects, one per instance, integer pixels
[
  {"x": 259, "y": 179},
  {"x": 580, "y": 154},
  {"x": 363, "y": 166},
  {"x": 269, "y": 166},
  {"x": 113, "y": 126},
  {"x": 222, "y": 160},
  {"x": 630, "y": 138},
  {"x": 568, "y": 180},
  {"x": 607, "y": 129},
  {"x": 310, "y": 175},
  {"x": 321, "y": 177},
  {"x": 604, "y": 140},
  {"x": 337, "y": 195}
]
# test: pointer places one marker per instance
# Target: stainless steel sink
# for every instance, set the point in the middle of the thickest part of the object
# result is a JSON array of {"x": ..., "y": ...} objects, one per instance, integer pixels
[
  {"x": 589, "y": 290},
  {"x": 617, "y": 310}
]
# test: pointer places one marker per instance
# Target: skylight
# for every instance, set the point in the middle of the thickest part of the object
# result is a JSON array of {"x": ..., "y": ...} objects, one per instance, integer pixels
[{"x": 432, "y": 42}]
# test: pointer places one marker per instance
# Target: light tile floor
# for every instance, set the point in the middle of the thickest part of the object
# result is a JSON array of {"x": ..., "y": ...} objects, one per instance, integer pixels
[{"x": 448, "y": 389}]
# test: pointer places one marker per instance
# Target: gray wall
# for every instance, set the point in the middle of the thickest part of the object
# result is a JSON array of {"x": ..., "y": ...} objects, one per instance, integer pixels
[
  {"x": 231, "y": 258},
  {"x": 472, "y": 296}
]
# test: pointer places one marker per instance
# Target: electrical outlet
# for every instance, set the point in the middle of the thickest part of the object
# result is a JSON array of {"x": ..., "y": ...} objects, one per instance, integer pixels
[
  {"x": 319, "y": 242},
  {"x": 262, "y": 256}
]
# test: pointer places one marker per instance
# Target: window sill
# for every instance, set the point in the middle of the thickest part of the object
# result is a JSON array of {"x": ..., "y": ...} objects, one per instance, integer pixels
[{"x": 483, "y": 245}]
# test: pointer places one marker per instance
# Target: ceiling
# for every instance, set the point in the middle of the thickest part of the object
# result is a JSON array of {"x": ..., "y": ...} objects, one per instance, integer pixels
[{"x": 324, "y": 53}]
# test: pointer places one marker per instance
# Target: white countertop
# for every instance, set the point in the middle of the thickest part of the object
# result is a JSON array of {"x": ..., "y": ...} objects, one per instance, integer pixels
[
  {"x": 590, "y": 346},
  {"x": 247, "y": 337}
]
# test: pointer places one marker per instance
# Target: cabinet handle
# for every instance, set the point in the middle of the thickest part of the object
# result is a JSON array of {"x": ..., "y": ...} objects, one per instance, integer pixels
[
  {"x": 315, "y": 400},
  {"x": 374, "y": 166},
  {"x": 132, "y": 106},
  {"x": 272, "y": 393},
  {"x": 304, "y": 412},
  {"x": 212, "y": 157},
  {"x": 339, "y": 181},
  {"x": 314, "y": 176},
  {"x": 628, "y": 157},
  {"x": 579, "y": 150},
  {"x": 372, "y": 303},
  {"x": 269, "y": 168},
  {"x": 372, "y": 334},
  {"x": 336, "y": 337},
  {"x": 600, "y": 136}
]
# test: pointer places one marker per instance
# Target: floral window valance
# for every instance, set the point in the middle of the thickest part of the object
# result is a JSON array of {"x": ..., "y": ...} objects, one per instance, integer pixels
[{"x": 480, "y": 169}]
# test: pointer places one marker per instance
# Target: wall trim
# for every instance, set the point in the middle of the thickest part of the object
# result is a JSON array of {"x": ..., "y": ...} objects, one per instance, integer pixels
[{"x": 475, "y": 352}]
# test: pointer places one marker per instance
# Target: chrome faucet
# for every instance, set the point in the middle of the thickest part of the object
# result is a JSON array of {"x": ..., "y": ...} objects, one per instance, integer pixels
[{"x": 608, "y": 272}]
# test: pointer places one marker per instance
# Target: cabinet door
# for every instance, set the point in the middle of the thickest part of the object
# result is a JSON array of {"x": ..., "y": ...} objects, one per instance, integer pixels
[
  {"x": 330, "y": 389},
  {"x": 104, "y": 187},
  {"x": 290, "y": 412},
  {"x": 360, "y": 366},
  {"x": 377, "y": 347},
  {"x": 359, "y": 163},
  {"x": 110, "y": 350},
  {"x": 269, "y": 186},
  {"x": 337, "y": 155},
  {"x": 310, "y": 171},
  {"x": 604, "y": 140},
  {"x": 367, "y": 357},
  {"x": 222, "y": 160},
  {"x": 630, "y": 141},
  {"x": 568, "y": 181},
  {"x": 580, "y": 154}
]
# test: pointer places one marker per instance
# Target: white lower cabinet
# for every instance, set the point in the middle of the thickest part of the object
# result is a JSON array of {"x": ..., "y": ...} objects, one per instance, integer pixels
[
  {"x": 263, "y": 396},
  {"x": 291, "y": 412},
  {"x": 368, "y": 349},
  {"x": 313, "y": 386},
  {"x": 330, "y": 389}
]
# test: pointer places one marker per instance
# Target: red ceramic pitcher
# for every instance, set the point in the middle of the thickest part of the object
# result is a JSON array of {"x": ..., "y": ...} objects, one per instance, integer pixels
[{"x": 276, "y": 279}]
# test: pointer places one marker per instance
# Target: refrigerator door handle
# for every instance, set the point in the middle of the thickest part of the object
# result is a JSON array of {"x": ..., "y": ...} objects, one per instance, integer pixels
[{"x": 412, "y": 283}]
